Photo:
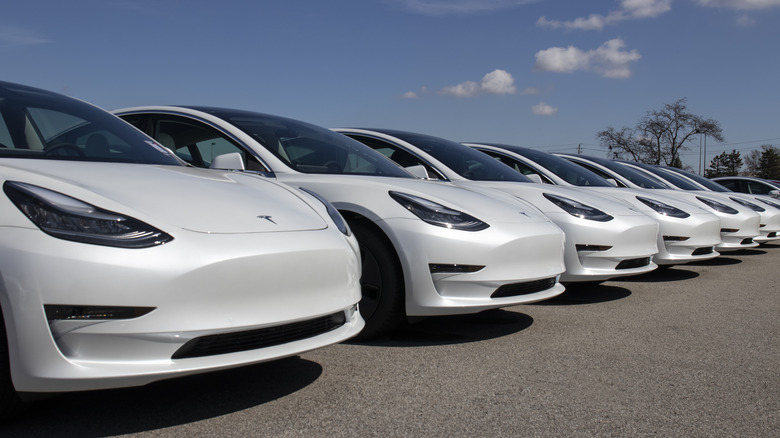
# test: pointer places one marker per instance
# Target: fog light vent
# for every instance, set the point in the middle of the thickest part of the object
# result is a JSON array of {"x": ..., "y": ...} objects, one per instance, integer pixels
[
  {"x": 62, "y": 312},
  {"x": 529, "y": 287},
  {"x": 747, "y": 241},
  {"x": 437, "y": 268},
  {"x": 633, "y": 263},
  {"x": 702, "y": 251}
]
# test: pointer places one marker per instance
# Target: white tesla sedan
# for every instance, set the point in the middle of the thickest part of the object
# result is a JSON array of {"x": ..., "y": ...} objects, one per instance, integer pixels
[
  {"x": 687, "y": 232},
  {"x": 426, "y": 249},
  {"x": 770, "y": 215},
  {"x": 738, "y": 225},
  {"x": 604, "y": 238},
  {"x": 120, "y": 265}
]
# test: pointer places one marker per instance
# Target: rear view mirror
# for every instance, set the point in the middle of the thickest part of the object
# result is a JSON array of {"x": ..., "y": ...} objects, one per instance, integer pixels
[
  {"x": 774, "y": 193},
  {"x": 231, "y": 161},
  {"x": 418, "y": 170},
  {"x": 534, "y": 177},
  {"x": 612, "y": 182}
]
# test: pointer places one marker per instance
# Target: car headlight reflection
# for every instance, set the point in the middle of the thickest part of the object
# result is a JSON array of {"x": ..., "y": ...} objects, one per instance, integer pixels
[
  {"x": 334, "y": 214},
  {"x": 578, "y": 209},
  {"x": 749, "y": 205},
  {"x": 70, "y": 219},
  {"x": 717, "y": 206},
  {"x": 662, "y": 208},
  {"x": 437, "y": 214}
]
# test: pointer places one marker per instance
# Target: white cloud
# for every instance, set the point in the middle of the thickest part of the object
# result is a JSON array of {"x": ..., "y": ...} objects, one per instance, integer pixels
[
  {"x": 609, "y": 60},
  {"x": 12, "y": 36},
  {"x": 450, "y": 7},
  {"x": 409, "y": 95},
  {"x": 543, "y": 109},
  {"x": 745, "y": 20},
  {"x": 629, "y": 10},
  {"x": 496, "y": 82},
  {"x": 740, "y": 4}
]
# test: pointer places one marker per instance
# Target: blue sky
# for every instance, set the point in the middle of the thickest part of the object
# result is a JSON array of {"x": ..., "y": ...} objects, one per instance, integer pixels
[{"x": 547, "y": 74}]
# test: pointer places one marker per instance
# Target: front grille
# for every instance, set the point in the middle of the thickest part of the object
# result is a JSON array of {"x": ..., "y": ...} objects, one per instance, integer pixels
[
  {"x": 529, "y": 287},
  {"x": 633, "y": 263},
  {"x": 702, "y": 251},
  {"x": 261, "y": 338}
]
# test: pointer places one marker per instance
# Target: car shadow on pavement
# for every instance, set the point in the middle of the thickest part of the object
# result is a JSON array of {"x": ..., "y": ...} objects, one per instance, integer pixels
[
  {"x": 578, "y": 294},
  {"x": 662, "y": 274},
  {"x": 456, "y": 329},
  {"x": 163, "y": 404},
  {"x": 723, "y": 260}
]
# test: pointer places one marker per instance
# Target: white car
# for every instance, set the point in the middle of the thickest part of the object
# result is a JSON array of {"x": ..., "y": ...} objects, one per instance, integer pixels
[
  {"x": 427, "y": 249},
  {"x": 604, "y": 238},
  {"x": 678, "y": 178},
  {"x": 738, "y": 225},
  {"x": 687, "y": 232},
  {"x": 750, "y": 185},
  {"x": 121, "y": 266}
]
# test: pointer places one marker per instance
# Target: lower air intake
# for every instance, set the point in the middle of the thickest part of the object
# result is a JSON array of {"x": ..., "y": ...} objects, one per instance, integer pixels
[
  {"x": 633, "y": 263},
  {"x": 529, "y": 287},
  {"x": 747, "y": 241},
  {"x": 253, "y": 339}
]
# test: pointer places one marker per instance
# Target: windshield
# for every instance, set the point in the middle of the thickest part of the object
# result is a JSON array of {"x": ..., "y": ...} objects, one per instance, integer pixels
[
  {"x": 564, "y": 169},
  {"x": 709, "y": 184},
  {"x": 674, "y": 179},
  {"x": 463, "y": 160},
  {"x": 636, "y": 177},
  {"x": 309, "y": 148},
  {"x": 43, "y": 125}
]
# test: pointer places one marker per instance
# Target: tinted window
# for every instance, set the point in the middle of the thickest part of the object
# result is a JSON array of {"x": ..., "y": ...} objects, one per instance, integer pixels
[
  {"x": 466, "y": 162},
  {"x": 309, "y": 148},
  {"x": 38, "y": 124}
]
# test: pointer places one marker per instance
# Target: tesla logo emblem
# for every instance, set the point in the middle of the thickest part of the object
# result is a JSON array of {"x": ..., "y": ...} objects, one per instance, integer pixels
[{"x": 268, "y": 218}]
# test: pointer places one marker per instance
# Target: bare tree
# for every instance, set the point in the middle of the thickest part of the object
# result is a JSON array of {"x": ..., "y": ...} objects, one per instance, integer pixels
[{"x": 660, "y": 135}]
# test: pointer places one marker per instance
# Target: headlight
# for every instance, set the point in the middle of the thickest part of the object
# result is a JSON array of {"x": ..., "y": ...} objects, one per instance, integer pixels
[
  {"x": 717, "y": 206},
  {"x": 770, "y": 203},
  {"x": 578, "y": 209},
  {"x": 70, "y": 219},
  {"x": 334, "y": 214},
  {"x": 749, "y": 205},
  {"x": 664, "y": 209},
  {"x": 437, "y": 214}
]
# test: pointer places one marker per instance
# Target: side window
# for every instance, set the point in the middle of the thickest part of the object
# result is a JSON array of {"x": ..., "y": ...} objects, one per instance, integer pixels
[
  {"x": 197, "y": 143},
  {"x": 398, "y": 156},
  {"x": 519, "y": 166},
  {"x": 729, "y": 184},
  {"x": 5, "y": 135},
  {"x": 599, "y": 172},
  {"x": 758, "y": 188}
]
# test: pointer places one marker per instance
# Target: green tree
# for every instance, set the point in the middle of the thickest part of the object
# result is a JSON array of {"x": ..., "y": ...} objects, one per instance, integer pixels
[
  {"x": 764, "y": 162},
  {"x": 660, "y": 136},
  {"x": 725, "y": 164}
]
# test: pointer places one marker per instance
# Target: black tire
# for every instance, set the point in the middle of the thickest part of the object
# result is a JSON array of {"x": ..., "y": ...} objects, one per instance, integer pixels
[
  {"x": 10, "y": 403},
  {"x": 382, "y": 283}
]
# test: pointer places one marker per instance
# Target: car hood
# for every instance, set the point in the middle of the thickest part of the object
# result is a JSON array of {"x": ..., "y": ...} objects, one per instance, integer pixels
[
  {"x": 368, "y": 195},
  {"x": 200, "y": 200}
]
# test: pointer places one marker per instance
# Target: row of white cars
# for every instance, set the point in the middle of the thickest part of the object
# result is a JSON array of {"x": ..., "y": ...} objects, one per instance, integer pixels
[{"x": 192, "y": 239}]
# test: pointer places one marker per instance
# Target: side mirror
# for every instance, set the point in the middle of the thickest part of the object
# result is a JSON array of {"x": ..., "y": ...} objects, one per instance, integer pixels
[
  {"x": 534, "y": 177},
  {"x": 418, "y": 170},
  {"x": 612, "y": 182},
  {"x": 774, "y": 193},
  {"x": 231, "y": 161}
]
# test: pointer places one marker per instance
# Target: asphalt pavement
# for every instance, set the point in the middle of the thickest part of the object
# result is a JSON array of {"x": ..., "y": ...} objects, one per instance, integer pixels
[{"x": 690, "y": 351}]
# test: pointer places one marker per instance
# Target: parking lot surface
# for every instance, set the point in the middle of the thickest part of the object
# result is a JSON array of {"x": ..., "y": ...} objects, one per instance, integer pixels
[{"x": 688, "y": 351}]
